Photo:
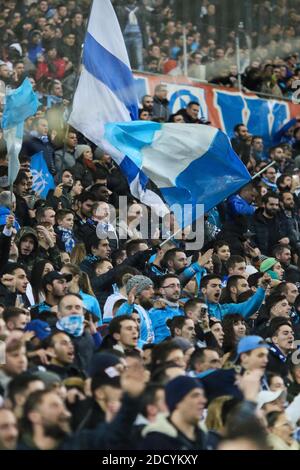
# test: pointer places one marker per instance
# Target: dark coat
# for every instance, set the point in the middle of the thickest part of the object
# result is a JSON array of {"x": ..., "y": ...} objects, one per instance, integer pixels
[
  {"x": 268, "y": 231},
  {"x": 33, "y": 145},
  {"x": 160, "y": 108},
  {"x": 277, "y": 366},
  {"x": 22, "y": 212},
  {"x": 162, "y": 435},
  {"x": 82, "y": 173},
  {"x": 4, "y": 250}
]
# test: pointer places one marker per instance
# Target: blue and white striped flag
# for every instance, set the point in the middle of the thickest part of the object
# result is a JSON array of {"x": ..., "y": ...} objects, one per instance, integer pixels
[
  {"x": 106, "y": 93},
  {"x": 191, "y": 164}
]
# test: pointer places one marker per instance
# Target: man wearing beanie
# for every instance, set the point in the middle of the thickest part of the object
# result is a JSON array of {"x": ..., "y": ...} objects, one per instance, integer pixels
[
  {"x": 180, "y": 430},
  {"x": 140, "y": 294}
]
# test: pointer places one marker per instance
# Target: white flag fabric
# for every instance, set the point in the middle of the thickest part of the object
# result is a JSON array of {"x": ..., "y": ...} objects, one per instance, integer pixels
[{"x": 106, "y": 94}]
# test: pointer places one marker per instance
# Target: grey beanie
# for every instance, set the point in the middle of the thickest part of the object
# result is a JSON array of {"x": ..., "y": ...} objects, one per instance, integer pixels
[
  {"x": 99, "y": 152},
  {"x": 141, "y": 282},
  {"x": 183, "y": 343},
  {"x": 80, "y": 149}
]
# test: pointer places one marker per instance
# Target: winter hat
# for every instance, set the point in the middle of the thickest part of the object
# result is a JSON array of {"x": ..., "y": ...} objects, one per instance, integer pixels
[
  {"x": 267, "y": 264},
  {"x": 141, "y": 282},
  {"x": 184, "y": 344},
  {"x": 80, "y": 149},
  {"x": 178, "y": 388},
  {"x": 102, "y": 361},
  {"x": 220, "y": 382},
  {"x": 99, "y": 153},
  {"x": 49, "y": 378}
]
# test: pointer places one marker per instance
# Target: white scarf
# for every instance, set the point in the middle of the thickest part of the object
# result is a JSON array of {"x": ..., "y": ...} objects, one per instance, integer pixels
[{"x": 132, "y": 16}]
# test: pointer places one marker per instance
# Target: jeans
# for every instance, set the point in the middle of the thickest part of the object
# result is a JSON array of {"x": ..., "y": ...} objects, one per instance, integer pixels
[{"x": 134, "y": 45}]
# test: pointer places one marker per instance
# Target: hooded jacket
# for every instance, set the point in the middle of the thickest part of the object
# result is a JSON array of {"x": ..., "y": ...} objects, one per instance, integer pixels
[
  {"x": 163, "y": 435},
  {"x": 28, "y": 260},
  {"x": 38, "y": 253}
]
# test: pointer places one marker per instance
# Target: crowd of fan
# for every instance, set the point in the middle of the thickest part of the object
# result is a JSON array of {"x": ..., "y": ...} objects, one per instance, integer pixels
[
  {"x": 269, "y": 46},
  {"x": 44, "y": 39},
  {"x": 113, "y": 340}
]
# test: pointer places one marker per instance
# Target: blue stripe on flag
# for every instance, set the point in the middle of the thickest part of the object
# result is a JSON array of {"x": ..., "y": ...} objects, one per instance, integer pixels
[
  {"x": 112, "y": 72},
  {"x": 213, "y": 177},
  {"x": 131, "y": 170}
]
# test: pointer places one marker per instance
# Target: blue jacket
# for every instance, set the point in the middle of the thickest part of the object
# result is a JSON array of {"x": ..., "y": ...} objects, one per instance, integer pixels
[
  {"x": 246, "y": 309},
  {"x": 146, "y": 329},
  {"x": 239, "y": 206},
  {"x": 159, "y": 319},
  {"x": 92, "y": 305}
]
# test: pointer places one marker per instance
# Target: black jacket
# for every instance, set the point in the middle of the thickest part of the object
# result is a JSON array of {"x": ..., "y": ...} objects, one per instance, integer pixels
[
  {"x": 7, "y": 298},
  {"x": 22, "y": 212},
  {"x": 86, "y": 414},
  {"x": 82, "y": 173},
  {"x": 268, "y": 231},
  {"x": 163, "y": 435},
  {"x": 33, "y": 145},
  {"x": 160, "y": 109},
  {"x": 4, "y": 250},
  {"x": 277, "y": 366}
]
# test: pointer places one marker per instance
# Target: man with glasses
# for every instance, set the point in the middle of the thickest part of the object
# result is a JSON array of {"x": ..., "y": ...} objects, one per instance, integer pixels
[{"x": 167, "y": 306}]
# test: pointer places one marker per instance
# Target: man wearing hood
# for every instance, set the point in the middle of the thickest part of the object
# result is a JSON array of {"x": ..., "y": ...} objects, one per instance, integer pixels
[
  {"x": 27, "y": 243},
  {"x": 38, "y": 244}
]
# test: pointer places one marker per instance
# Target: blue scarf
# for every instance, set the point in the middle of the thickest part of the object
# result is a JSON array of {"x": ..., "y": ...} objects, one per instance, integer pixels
[
  {"x": 66, "y": 236},
  {"x": 91, "y": 259}
]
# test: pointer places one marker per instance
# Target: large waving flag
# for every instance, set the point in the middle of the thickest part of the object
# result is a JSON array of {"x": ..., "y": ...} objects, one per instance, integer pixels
[
  {"x": 190, "y": 163},
  {"x": 42, "y": 180},
  {"x": 20, "y": 104},
  {"x": 106, "y": 93}
]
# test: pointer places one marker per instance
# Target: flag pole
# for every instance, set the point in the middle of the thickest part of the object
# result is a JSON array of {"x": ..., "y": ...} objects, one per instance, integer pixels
[
  {"x": 171, "y": 237},
  {"x": 262, "y": 170}
]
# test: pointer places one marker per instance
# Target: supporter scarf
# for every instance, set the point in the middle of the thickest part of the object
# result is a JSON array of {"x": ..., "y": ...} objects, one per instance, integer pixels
[
  {"x": 43, "y": 138},
  {"x": 67, "y": 238},
  {"x": 276, "y": 351},
  {"x": 90, "y": 165},
  {"x": 92, "y": 259},
  {"x": 72, "y": 325},
  {"x": 132, "y": 16}
]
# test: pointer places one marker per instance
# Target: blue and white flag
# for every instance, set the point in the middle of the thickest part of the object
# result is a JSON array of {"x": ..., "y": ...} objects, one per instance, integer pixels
[
  {"x": 42, "y": 180},
  {"x": 190, "y": 163},
  {"x": 20, "y": 104},
  {"x": 106, "y": 93}
]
